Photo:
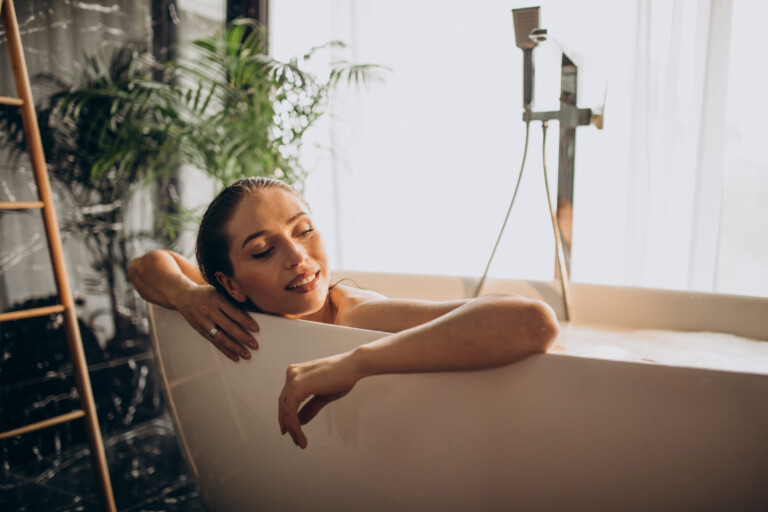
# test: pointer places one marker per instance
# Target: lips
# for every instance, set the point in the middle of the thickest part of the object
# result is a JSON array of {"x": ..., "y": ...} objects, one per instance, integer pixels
[{"x": 304, "y": 282}]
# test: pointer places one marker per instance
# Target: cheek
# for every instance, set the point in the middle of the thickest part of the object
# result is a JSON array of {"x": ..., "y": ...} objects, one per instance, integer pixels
[
  {"x": 256, "y": 281},
  {"x": 317, "y": 249}
]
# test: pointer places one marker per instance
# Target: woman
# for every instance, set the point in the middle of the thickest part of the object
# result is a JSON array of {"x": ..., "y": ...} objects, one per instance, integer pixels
[{"x": 257, "y": 248}]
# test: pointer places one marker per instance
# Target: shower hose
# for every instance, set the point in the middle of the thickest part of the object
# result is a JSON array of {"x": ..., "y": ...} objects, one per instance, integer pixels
[{"x": 560, "y": 252}]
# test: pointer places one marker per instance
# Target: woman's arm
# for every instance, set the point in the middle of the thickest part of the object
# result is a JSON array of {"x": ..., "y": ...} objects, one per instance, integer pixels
[
  {"x": 170, "y": 280},
  {"x": 160, "y": 275},
  {"x": 487, "y": 332},
  {"x": 366, "y": 309}
]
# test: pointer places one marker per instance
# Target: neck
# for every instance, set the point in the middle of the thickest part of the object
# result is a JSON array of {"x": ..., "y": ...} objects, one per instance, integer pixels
[{"x": 325, "y": 315}]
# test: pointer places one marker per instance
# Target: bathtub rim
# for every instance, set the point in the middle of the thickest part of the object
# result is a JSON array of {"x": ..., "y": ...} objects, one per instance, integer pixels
[{"x": 598, "y": 305}]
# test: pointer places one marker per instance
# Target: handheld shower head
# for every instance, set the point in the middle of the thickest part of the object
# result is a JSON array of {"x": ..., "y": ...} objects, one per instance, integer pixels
[{"x": 526, "y": 20}]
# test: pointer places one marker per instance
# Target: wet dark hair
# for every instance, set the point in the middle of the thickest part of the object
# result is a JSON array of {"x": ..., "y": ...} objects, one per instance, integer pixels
[{"x": 212, "y": 247}]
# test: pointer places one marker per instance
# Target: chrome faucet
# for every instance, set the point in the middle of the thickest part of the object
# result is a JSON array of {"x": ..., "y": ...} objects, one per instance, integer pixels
[{"x": 528, "y": 34}]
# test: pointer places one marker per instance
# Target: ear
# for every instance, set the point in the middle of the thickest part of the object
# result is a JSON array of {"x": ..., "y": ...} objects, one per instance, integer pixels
[{"x": 230, "y": 285}]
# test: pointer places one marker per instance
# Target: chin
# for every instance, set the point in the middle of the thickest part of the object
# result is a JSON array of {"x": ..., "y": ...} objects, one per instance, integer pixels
[
  {"x": 299, "y": 306},
  {"x": 314, "y": 305}
]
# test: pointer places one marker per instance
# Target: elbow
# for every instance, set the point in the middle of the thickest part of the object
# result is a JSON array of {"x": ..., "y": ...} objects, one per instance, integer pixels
[
  {"x": 544, "y": 327},
  {"x": 532, "y": 324},
  {"x": 138, "y": 266}
]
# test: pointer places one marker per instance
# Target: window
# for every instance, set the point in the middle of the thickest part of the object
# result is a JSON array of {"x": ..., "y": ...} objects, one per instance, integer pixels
[{"x": 424, "y": 167}]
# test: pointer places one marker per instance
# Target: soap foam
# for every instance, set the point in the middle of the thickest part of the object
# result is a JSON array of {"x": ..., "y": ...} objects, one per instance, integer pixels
[{"x": 711, "y": 350}]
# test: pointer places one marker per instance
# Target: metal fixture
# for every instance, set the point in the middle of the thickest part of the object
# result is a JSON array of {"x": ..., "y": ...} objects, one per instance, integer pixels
[
  {"x": 526, "y": 21},
  {"x": 528, "y": 35},
  {"x": 569, "y": 117}
]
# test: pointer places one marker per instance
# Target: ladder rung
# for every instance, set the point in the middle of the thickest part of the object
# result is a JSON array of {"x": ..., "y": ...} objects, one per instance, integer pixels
[
  {"x": 22, "y": 205},
  {"x": 5, "y": 100},
  {"x": 30, "y": 313},
  {"x": 70, "y": 416}
]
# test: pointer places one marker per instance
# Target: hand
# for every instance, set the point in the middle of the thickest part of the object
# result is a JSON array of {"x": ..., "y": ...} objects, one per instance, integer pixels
[
  {"x": 325, "y": 380},
  {"x": 204, "y": 308}
]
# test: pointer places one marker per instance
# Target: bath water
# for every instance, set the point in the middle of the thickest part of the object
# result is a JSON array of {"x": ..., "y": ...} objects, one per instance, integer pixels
[{"x": 708, "y": 350}]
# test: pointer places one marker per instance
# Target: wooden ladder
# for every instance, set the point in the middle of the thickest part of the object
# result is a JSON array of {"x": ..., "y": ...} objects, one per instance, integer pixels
[{"x": 66, "y": 306}]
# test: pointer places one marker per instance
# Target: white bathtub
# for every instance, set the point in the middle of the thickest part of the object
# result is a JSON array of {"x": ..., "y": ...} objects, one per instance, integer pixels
[{"x": 552, "y": 432}]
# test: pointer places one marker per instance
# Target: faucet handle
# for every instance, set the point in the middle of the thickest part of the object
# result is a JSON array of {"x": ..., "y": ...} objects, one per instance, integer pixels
[
  {"x": 598, "y": 114},
  {"x": 597, "y": 119}
]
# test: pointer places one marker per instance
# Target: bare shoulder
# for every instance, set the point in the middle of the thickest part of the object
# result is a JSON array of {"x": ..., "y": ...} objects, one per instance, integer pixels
[
  {"x": 354, "y": 306},
  {"x": 345, "y": 297}
]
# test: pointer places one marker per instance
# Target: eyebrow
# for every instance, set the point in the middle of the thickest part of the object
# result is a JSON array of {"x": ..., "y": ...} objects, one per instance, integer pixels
[{"x": 261, "y": 233}]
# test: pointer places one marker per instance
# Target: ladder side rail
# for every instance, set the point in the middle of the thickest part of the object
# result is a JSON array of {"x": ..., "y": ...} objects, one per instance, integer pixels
[{"x": 34, "y": 144}]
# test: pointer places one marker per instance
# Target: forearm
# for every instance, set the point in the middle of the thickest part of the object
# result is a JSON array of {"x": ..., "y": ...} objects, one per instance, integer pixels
[
  {"x": 484, "y": 333},
  {"x": 487, "y": 332},
  {"x": 160, "y": 277},
  {"x": 172, "y": 281}
]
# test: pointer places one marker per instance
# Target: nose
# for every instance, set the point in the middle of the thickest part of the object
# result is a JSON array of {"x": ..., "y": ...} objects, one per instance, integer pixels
[{"x": 295, "y": 255}]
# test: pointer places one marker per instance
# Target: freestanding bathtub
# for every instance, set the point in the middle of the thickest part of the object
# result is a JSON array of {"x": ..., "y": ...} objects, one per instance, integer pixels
[{"x": 552, "y": 432}]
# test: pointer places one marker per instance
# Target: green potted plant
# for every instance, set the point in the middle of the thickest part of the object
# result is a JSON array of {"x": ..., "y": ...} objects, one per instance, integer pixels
[{"x": 240, "y": 112}]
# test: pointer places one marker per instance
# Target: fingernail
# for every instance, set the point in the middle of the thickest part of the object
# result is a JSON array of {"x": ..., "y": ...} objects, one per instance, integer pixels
[{"x": 245, "y": 354}]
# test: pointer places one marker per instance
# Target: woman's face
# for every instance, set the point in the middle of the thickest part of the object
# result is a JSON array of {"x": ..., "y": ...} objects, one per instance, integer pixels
[{"x": 278, "y": 258}]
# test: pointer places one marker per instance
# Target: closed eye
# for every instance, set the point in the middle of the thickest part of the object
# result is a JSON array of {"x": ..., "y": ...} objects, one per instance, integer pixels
[{"x": 262, "y": 254}]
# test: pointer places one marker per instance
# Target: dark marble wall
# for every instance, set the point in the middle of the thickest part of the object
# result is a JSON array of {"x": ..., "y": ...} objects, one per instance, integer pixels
[
  {"x": 50, "y": 469},
  {"x": 36, "y": 382}
]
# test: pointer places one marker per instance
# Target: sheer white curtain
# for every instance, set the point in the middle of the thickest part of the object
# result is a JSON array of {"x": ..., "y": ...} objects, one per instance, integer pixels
[
  {"x": 668, "y": 195},
  {"x": 742, "y": 254},
  {"x": 695, "y": 218},
  {"x": 676, "y": 150}
]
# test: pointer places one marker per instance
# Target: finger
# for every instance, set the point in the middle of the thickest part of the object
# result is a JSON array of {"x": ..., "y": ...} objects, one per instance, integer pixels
[
  {"x": 316, "y": 404},
  {"x": 311, "y": 409},
  {"x": 239, "y": 316},
  {"x": 204, "y": 332},
  {"x": 283, "y": 410},
  {"x": 236, "y": 332},
  {"x": 300, "y": 439},
  {"x": 229, "y": 354},
  {"x": 280, "y": 421},
  {"x": 290, "y": 421},
  {"x": 227, "y": 345},
  {"x": 242, "y": 318},
  {"x": 292, "y": 426}
]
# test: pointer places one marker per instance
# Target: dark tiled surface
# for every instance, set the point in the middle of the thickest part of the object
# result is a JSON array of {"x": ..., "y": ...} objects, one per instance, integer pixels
[
  {"x": 36, "y": 382},
  {"x": 146, "y": 468},
  {"x": 50, "y": 469}
]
